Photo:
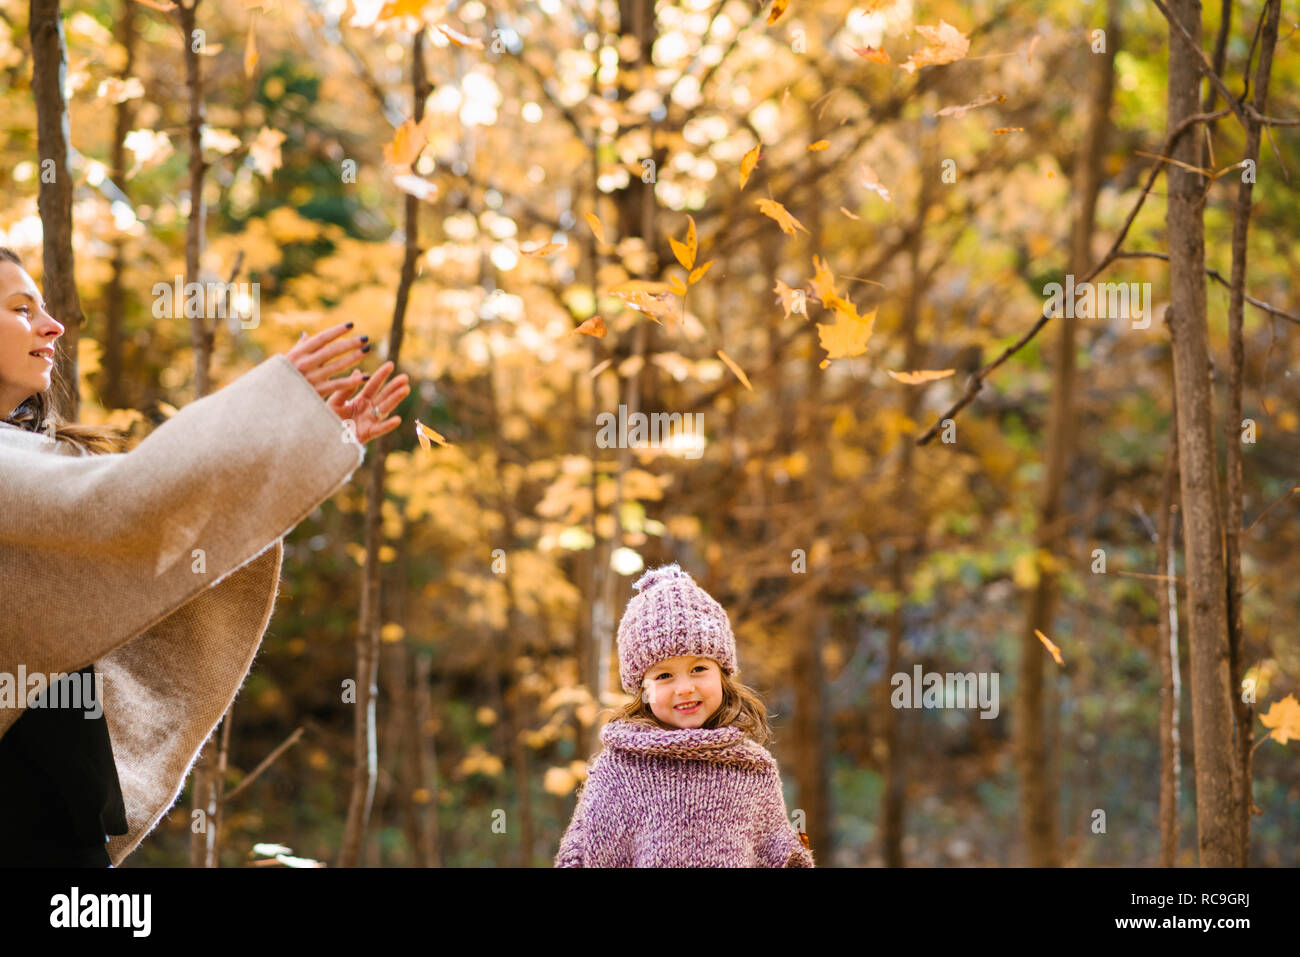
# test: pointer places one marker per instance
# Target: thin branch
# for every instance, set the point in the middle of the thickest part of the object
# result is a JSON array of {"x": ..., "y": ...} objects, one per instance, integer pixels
[
  {"x": 1217, "y": 277},
  {"x": 267, "y": 761}
]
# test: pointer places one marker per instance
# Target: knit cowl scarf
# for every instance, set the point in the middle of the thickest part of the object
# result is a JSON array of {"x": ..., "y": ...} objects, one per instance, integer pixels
[{"x": 693, "y": 797}]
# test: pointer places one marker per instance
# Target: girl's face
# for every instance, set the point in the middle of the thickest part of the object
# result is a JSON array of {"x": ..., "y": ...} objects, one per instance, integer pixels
[
  {"x": 684, "y": 692},
  {"x": 25, "y": 327}
]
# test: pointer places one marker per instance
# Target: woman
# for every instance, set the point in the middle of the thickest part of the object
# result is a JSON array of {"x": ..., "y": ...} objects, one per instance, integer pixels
[{"x": 137, "y": 585}]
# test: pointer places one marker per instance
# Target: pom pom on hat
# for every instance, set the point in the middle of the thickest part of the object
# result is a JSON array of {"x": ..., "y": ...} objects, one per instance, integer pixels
[{"x": 671, "y": 616}]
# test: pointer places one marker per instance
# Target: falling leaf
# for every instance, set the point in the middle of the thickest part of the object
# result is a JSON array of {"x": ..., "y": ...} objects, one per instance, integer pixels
[
  {"x": 874, "y": 55},
  {"x": 685, "y": 252},
  {"x": 1008, "y": 129},
  {"x": 596, "y": 228},
  {"x": 543, "y": 250},
  {"x": 250, "y": 50},
  {"x": 1283, "y": 718},
  {"x": 870, "y": 181},
  {"x": 408, "y": 142},
  {"x": 946, "y": 44},
  {"x": 265, "y": 151},
  {"x": 847, "y": 336},
  {"x": 679, "y": 287},
  {"x": 823, "y": 283},
  {"x": 460, "y": 39},
  {"x": 740, "y": 373},
  {"x": 652, "y": 299},
  {"x": 698, "y": 273},
  {"x": 594, "y": 327},
  {"x": 747, "y": 164},
  {"x": 789, "y": 302},
  {"x": 848, "y": 214},
  {"x": 417, "y": 186},
  {"x": 424, "y": 434},
  {"x": 819, "y": 146},
  {"x": 984, "y": 100},
  {"x": 788, "y": 223},
  {"x": 778, "y": 8},
  {"x": 221, "y": 140},
  {"x": 1047, "y": 643},
  {"x": 920, "y": 375}
]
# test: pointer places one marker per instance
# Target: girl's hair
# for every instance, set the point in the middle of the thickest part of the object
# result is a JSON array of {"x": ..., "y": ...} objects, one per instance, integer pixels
[
  {"x": 36, "y": 413},
  {"x": 740, "y": 706}
]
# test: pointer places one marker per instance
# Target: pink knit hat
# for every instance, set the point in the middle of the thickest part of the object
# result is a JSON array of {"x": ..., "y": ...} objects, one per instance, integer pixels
[{"x": 672, "y": 616}]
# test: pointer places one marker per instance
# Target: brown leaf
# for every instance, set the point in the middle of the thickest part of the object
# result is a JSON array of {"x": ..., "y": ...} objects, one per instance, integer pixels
[
  {"x": 788, "y": 223},
  {"x": 778, "y": 8},
  {"x": 946, "y": 45}
]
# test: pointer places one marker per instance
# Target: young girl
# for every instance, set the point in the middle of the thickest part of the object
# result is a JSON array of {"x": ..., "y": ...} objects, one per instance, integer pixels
[
  {"x": 684, "y": 779},
  {"x": 150, "y": 574}
]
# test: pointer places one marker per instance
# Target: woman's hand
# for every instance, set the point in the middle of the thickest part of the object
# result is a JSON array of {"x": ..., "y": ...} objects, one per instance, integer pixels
[{"x": 320, "y": 356}]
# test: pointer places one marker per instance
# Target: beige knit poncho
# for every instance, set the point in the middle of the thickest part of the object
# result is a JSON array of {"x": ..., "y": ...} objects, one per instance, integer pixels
[{"x": 161, "y": 565}]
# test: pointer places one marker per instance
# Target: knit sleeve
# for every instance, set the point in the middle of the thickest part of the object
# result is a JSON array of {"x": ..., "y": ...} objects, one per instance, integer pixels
[
  {"x": 780, "y": 845},
  {"x": 105, "y": 546},
  {"x": 573, "y": 846}
]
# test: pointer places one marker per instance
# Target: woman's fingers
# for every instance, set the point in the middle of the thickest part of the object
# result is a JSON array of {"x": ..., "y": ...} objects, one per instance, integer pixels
[
  {"x": 336, "y": 386},
  {"x": 312, "y": 343}
]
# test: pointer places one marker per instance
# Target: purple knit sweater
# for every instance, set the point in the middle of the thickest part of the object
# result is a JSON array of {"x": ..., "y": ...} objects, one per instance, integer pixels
[{"x": 694, "y": 797}]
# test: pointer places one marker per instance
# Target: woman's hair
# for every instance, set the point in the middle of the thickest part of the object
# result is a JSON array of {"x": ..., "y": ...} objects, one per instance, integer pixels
[
  {"x": 741, "y": 706},
  {"x": 36, "y": 413}
]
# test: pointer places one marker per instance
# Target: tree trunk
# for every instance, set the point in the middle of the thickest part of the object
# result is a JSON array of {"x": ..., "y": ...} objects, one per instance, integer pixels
[
  {"x": 114, "y": 297},
  {"x": 1217, "y": 822},
  {"x": 54, "y": 196},
  {"x": 1167, "y": 651}
]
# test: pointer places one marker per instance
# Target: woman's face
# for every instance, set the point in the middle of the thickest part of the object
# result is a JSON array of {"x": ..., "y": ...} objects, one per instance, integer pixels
[
  {"x": 684, "y": 692},
  {"x": 25, "y": 327}
]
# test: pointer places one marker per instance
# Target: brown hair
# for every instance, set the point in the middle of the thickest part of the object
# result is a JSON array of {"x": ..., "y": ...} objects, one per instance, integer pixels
[
  {"x": 37, "y": 413},
  {"x": 741, "y": 706}
]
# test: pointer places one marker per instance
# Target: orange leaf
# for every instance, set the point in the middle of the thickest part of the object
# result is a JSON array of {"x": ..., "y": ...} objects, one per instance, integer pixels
[
  {"x": 1008, "y": 129},
  {"x": 543, "y": 250},
  {"x": 848, "y": 335},
  {"x": 875, "y": 56},
  {"x": 778, "y": 8},
  {"x": 460, "y": 39},
  {"x": 679, "y": 287},
  {"x": 747, "y": 165},
  {"x": 819, "y": 146},
  {"x": 920, "y": 375},
  {"x": 402, "y": 8},
  {"x": 698, "y": 274},
  {"x": 408, "y": 142},
  {"x": 1283, "y": 718},
  {"x": 946, "y": 44},
  {"x": 594, "y": 327},
  {"x": 740, "y": 373},
  {"x": 1047, "y": 643},
  {"x": 424, "y": 434},
  {"x": 788, "y": 223},
  {"x": 596, "y": 228}
]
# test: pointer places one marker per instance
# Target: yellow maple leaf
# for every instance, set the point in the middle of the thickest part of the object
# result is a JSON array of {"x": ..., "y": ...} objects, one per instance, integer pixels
[
  {"x": 776, "y": 211},
  {"x": 265, "y": 151},
  {"x": 1283, "y": 718},
  {"x": 946, "y": 44},
  {"x": 685, "y": 252},
  {"x": 740, "y": 373},
  {"x": 747, "y": 164},
  {"x": 920, "y": 375},
  {"x": 1047, "y": 643},
  {"x": 848, "y": 335}
]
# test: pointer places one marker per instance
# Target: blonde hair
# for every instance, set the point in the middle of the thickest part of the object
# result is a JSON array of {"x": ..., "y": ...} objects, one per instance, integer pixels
[
  {"x": 37, "y": 413},
  {"x": 741, "y": 706}
]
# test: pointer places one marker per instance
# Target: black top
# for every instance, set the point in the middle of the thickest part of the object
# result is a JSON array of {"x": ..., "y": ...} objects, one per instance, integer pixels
[{"x": 60, "y": 796}]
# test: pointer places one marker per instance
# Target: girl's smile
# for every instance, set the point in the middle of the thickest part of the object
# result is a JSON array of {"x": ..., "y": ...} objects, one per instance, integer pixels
[{"x": 684, "y": 692}]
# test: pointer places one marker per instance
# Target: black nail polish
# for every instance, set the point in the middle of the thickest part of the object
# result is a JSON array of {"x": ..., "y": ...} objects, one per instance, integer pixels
[
  {"x": 365, "y": 338},
  {"x": 364, "y": 378},
  {"x": 350, "y": 325},
  {"x": 366, "y": 349}
]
